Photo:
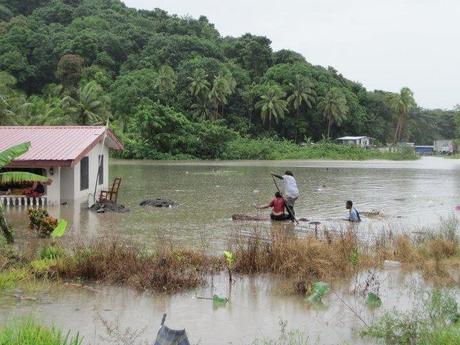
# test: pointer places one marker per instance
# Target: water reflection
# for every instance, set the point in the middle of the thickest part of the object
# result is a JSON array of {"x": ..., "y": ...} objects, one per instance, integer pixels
[{"x": 257, "y": 304}]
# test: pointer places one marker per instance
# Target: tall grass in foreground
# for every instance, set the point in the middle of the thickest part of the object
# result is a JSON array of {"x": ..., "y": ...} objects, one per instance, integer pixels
[
  {"x": 294, "y": 337},
  {"x": 291, "y": 337},
  {"x": 112, "y": 261},
  {"x": 28, "y": 332}
]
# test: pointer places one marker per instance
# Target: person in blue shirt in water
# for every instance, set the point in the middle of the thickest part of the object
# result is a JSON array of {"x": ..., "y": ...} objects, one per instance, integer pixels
[{"x": 354, "y": 214}]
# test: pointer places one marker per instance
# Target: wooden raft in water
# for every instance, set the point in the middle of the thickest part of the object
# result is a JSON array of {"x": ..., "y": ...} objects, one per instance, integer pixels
[{"x": 259, "y": 218}]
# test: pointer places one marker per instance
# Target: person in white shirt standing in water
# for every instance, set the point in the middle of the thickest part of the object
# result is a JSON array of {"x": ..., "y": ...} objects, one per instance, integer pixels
[{"x": 291, "y": 192}]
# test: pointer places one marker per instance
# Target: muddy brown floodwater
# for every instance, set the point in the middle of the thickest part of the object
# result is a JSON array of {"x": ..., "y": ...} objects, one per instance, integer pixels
[{"x": 411, "y": 196}]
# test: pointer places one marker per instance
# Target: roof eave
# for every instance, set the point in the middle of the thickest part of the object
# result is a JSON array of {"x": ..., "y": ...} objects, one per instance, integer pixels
[
  {"x": 118, "y": 146},
  {"x": 40, "y": 164}
]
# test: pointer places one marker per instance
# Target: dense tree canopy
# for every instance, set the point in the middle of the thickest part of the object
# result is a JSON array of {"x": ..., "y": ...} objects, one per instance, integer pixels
[{"x": 173, "y": 85}]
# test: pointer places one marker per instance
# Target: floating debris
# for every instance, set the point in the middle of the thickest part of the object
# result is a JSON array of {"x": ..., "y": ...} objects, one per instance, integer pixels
[
  {"x": 159, "y": 202},
  {"x": 371, "y": 213},
  {"x": 81, "y": 286},
  {"x": 391, "y": 264},
  {"x": 24, "y": 298},
  {"x": 215, "y": 299},
  {"x": 216, "y": 172},
  {"x": 109, "y": 207}
]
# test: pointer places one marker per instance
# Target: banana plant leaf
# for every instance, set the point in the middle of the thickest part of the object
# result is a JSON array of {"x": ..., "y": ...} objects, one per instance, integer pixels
[
  {"x": 13, "y": 152},
  {"x": 219, "y": 300},
  {"x": 60, "y": 229},
  {"x": 319, "y": 290},
  {"x": 20, "y": 176},
  {"x": 230, "y": 257},
  {"x": 373, "y": 300}
]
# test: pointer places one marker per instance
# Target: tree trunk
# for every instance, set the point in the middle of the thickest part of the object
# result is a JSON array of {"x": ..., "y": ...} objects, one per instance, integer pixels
[
  {"x": 5, "y": 228},
  {"x": 401, "y": 127},
  {"x": 329, "y": 125},
  {"x": 397, "y": 135},
  {"x": 297, "y": 126}
]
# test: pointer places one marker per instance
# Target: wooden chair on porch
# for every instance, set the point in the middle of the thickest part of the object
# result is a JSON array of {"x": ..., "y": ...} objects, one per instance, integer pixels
[{"x": 112, "y": 194}]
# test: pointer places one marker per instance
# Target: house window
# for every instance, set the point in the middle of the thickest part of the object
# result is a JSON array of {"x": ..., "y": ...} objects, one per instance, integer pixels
[
  {"x": 84, "y": 173},
  {"x": 101, "y": 169}
]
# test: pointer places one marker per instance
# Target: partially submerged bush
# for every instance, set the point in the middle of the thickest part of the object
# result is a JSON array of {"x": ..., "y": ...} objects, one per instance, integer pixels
[
  {"x": 404, "y": 249},
  {"x": 41, "y": 222},
  {"x": 51, "y": 252},
  {"x": 303, "y": 260},
  {"x": 167, "y": 269},
  {"x": 434, "y": 323},
  {"x": 9, "y": 278}
]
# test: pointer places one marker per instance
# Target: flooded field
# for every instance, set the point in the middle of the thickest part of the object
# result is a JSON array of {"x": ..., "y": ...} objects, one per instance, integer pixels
[{"x": 410, "y": 196}]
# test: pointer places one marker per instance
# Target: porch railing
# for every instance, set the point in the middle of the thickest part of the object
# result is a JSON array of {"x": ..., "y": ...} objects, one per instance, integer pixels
[{"x": 22, "y": 200}]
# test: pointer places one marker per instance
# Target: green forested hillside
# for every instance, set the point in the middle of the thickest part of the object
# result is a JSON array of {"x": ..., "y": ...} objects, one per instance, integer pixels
[{"x": 175, "y": 87}]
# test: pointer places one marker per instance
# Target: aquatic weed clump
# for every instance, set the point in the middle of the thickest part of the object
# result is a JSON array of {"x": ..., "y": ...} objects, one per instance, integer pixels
[{"x": 116, "y": 262}]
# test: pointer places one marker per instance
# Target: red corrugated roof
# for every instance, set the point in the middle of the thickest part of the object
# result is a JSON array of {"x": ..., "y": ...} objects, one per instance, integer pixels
[{"x": 55, "y": 145}]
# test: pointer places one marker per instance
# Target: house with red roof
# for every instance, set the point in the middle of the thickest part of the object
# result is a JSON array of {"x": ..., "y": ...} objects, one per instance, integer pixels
[{"x": 75, "y": 158}]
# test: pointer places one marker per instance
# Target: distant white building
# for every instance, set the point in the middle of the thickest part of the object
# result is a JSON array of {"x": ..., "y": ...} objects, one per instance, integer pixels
[
  {"x": 444, "y": 146},
  {"x": 362, "y": 141}
]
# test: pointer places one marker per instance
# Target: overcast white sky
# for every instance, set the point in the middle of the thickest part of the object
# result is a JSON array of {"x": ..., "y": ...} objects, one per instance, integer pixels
[{"x": 384, "y": 44}]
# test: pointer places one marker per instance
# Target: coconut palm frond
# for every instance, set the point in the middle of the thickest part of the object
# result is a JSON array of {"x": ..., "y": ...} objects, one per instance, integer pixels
[
  {"x": 7, "y": 156},
  {"x": 20, "y": 177}
]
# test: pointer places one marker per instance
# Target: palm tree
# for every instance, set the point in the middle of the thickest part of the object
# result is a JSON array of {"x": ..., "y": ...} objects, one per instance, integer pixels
[
  {"x": 166, "y": 81},
  {"x": 7, "y": 116},
  {"x": 201, "y": 108},
  {"x": 199, "y": 86},
  {"x": 400, "y": 104},
  {"x": 223, "y": 86},
  {"x": 272, "y": 105},
  {"x": 90, "y": 107},
  {"x": 10, "y": 99},
  {"x": 334, "y": 108},
  {"x": 38, "y": 111},
  {"x": 6, "y": 157},
  {"x": 301, "y": 92},
  {"x": 249, "y": 94}
]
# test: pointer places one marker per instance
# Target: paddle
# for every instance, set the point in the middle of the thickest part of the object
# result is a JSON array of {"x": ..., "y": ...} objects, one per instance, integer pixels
[{"x": 293, "y": 218}]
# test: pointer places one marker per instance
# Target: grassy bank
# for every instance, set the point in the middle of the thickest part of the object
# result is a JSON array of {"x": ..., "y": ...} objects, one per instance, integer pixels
[
  {"x": 28, "y": 332},
  {"x": 270, "y": 149}
]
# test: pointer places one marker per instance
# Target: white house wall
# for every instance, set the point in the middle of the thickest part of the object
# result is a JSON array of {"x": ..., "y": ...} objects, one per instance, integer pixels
[
  {"x": 53, "y": 191},
  {"x": 93, "y": 167},
  {"x": 67, "y": 184}
]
